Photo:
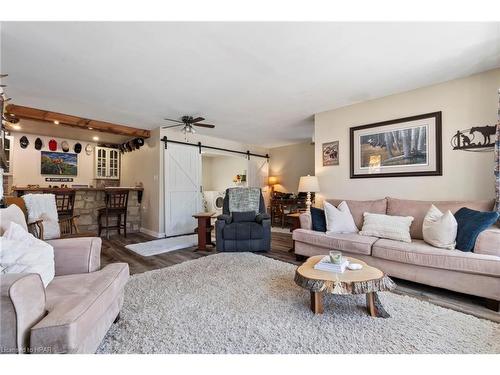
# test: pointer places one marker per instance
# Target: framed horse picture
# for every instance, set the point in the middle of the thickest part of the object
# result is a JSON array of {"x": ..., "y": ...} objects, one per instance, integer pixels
[
  {"x": 404, "y": 147},
  {"x": 330, "y": 152}
]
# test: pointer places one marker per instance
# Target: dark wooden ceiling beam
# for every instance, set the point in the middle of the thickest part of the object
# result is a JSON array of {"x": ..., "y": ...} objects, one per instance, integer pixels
[{"x": 75, "y": 121}]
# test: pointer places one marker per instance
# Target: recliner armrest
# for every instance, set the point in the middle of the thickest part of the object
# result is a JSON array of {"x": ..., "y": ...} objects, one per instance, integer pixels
[
  {"x": 227, "y": 218},
  {"x": 261, "y": 217},
  {"x": 76, "y": 255}
]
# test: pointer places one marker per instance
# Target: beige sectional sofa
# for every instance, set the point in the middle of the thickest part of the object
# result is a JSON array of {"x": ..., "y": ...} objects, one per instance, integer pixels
[
  {"x": 476, "y": 273},
  {"x": 73, "y": 313}
]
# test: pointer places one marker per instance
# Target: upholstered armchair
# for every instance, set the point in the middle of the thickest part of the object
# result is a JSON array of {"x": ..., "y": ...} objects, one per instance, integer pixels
[
  {"x": 76, "y": 309},
  {"x": 244, "y": 224}
]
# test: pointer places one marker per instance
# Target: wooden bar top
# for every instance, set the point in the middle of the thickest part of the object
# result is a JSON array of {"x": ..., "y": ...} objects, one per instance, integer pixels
[{"x": 41, "y": 188}]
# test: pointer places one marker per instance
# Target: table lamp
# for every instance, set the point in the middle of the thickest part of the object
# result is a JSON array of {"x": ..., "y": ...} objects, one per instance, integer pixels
[
  {"x": 272, "y": 180},
  {"x": 308, "y": 184}
]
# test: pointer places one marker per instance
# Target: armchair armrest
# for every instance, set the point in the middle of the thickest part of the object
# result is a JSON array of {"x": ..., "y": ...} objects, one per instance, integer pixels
[
  {"x": 36, "y": 228},
  {"x": 68, "y": 225},
  {"x": 305, "y": 221},
  {"x": 76, "y": 255},
  {"x": 261, "y": 217},
  {"x": 22, "y": 305},
  {"x": 227, "y": 218}
]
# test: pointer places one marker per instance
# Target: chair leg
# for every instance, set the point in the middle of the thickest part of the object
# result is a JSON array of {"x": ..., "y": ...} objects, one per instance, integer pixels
[
  {"x": 99, "y": 225},
  {"x": 107, "y": 226},
  {"x": 125, "y": 224},
  {"x": 119, "y": 223}
]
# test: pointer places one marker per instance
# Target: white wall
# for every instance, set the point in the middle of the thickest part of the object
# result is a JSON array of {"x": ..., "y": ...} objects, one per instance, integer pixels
[
  {"x": 26, "y": 162},
  {"x": 219, "y": 171},
  {"x": 289, "y": 163},
  {"x": 471, "y": 101}
]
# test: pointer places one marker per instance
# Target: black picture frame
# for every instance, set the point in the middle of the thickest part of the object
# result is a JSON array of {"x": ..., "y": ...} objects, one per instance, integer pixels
[{"x": 437, "y": 141}]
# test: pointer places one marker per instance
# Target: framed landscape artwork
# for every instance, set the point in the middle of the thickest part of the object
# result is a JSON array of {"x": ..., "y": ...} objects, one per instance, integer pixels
[
  {"x": 59, "y": 163},
  {"x": 403, "y": 147},
  {"x": 330, "y": 152}
]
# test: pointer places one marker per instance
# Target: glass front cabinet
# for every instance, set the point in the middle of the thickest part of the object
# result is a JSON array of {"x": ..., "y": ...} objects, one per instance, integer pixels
[{"x": 107, "y": 163}]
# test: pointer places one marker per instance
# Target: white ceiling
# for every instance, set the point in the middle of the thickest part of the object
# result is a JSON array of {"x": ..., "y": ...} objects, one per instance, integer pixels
[{"x": 260, "y": 83}]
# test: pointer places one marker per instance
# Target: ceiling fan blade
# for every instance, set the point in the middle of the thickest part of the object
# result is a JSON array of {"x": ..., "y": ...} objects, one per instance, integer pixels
[
  {"x": 171, "y": 126},
  {"x": 197, "y": 119},
  {"x": 205, "y": 125},
  {"x": 169, "y": 119}
]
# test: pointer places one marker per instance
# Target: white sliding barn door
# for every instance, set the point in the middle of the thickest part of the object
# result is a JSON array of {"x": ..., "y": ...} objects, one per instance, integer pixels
[
  {"x": 182, "y": 188},
  {"x": 258, "y": 173}
]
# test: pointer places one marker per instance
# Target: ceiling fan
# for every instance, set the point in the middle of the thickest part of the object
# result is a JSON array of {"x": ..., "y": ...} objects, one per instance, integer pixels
[{"x": 187, "y": 123}]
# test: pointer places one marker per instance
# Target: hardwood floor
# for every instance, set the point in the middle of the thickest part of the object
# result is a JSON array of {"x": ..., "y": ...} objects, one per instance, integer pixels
[{"x": 113, "y": 250}]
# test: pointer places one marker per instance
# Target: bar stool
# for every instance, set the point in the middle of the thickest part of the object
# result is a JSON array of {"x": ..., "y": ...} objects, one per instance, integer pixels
[{"x": 116, "y": 204}]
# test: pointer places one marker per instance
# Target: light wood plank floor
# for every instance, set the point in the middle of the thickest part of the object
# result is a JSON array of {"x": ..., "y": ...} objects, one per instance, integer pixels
[{"x": 113, "y": 250}]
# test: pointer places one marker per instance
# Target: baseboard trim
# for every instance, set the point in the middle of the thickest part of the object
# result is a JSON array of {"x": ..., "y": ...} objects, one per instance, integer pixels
[{"x": 152, "y": 233}]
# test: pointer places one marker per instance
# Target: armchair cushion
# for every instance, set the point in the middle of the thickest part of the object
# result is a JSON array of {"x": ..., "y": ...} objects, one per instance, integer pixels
[
  {"x": 243, "y": 231},
  {"x": 22, "y": 305},
  {"x": 11, "y": 214},
  {"x": 76, "y": 255},
  {"x": 244, "y": 216}
]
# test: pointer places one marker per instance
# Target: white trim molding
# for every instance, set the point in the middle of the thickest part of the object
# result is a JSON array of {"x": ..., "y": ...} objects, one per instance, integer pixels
[{"x": 152, "y": 233}]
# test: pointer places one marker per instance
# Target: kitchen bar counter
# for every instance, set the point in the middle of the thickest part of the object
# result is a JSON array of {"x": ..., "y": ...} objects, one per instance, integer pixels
[{"x": 88, "y": 200}]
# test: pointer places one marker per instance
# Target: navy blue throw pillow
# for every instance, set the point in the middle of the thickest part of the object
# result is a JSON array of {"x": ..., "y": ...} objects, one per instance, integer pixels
[
  {"x": 470, "y": 224},
  {"x": 239, "y": 217},
  {"x": 318, "y": 219}
]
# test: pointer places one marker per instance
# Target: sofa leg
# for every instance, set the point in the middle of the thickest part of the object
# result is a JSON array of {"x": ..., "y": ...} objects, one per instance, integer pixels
[
  {"x": 117, "y": 319},
  {"x": 493, "y": 304}
]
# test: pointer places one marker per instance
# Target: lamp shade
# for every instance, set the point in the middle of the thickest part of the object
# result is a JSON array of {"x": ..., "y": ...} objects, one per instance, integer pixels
[
  {"x": 308, "y": 184},
  {"x": 272, "y": 180}
]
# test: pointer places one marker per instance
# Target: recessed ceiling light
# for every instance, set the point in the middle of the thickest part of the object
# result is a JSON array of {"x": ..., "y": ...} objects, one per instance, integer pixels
[
  {"x": 56, "y": 122},
  {"x": 95, "y": 138},
  {"x": 16, "y": 127},
  {"x": 90, "y": 128}
]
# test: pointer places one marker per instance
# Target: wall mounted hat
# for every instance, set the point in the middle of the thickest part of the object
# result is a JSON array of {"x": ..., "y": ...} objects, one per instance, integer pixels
[
  {"x": 38, "y": 144},
  {"x": 65, "y": 146},
  {"x": 88, "y": 149},
  {"x": 52, "y": 145},
  {"x": 24, "y": 142},
  {"x": 77, "y": 148}
]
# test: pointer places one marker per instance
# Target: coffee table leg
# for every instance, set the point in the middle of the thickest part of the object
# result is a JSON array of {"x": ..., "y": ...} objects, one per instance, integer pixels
[
  {"x": 370, "y": 304},
  {"x": 317, "y": 302}
]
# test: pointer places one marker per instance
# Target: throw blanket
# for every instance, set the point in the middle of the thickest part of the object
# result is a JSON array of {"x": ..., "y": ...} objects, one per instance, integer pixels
[
  {"x": 43, "y": 207},
  {"x": 244, "y": 199}
]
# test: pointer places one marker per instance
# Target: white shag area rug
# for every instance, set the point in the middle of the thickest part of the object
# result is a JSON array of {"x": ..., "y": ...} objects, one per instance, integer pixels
[
  {"x": 247, "y": 303},
  {"x": 163, "y": 245}
]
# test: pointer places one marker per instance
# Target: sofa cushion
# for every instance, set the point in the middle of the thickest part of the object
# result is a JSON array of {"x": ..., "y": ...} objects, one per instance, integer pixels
[
  {"x": 470, "y": 224},
  {"x": 318, "y": 219},
  {"x": 243, "y": 216},
  {"x": 358, "y": 208},
  {"x": 243, "y": 231},
  {"x": 422, "y": 254},
  {"x": 418, "y": 209},
  {"x": 77, "y": 304},
  {"x": 350, "y": 242}
]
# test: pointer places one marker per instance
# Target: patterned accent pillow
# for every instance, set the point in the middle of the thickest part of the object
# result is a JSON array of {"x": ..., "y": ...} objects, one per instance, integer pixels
[{"x": 386, "y": 226}]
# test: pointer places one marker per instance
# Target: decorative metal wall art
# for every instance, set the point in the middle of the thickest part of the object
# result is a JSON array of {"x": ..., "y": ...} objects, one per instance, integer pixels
[{"x": 477, "y": 138}]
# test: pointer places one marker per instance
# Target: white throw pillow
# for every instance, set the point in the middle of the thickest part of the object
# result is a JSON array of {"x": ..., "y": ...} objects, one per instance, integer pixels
[
  {"x": 21, "y": 252},
  {"x": 440, "y": 229},
  {"x": 386, "y": 226},
  {"x": 339, "y": 219},
  {"x": 11, "y": 214}
]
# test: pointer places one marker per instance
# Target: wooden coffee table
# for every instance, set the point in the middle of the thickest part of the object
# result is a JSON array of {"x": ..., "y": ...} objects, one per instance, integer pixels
[{"x": 368, "y": 280}]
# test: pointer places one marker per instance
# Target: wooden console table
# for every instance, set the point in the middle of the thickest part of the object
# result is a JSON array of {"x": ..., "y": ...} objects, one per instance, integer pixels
[{"x": 204, "y": 229}]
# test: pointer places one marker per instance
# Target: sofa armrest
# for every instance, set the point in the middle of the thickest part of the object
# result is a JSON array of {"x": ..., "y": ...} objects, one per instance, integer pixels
[
  {"x": 305, "y": 221},
  {"x": 76, "y": 255},
  {"x": 22, "y": 305},
  {"x": 488, "y": 242}
]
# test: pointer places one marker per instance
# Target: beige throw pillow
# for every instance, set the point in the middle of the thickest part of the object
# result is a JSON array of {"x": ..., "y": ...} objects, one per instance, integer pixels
[
  {"x": 386, "y": 226},
  {"x": 440, "y": 230}
]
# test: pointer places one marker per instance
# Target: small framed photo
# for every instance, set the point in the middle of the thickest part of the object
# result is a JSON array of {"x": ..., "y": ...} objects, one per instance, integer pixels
[{"x": 330, "y": 153}]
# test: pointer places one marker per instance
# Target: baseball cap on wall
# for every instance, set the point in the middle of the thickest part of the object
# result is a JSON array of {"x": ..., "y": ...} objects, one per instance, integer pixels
[
  {"x": 77, "y": 148},
  {"x": 52, "y": 145},
  {"x": 24, "y": 142},
  {"x": 38, "y": 144},
  {"x": 65, "y": 146}
]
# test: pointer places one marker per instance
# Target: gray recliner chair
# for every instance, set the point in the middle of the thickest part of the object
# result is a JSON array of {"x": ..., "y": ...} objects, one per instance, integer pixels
[{"x": 247, "y": 227}]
